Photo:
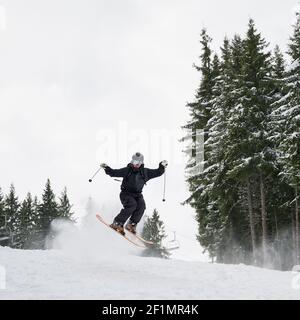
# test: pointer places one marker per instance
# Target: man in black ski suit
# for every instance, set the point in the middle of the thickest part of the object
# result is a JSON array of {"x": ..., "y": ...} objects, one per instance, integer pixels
[{"x": 135, "y": 176}]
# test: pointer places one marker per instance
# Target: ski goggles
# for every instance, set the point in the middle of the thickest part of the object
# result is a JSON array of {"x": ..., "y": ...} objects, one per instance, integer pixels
[{"x": 136, "y": 162}]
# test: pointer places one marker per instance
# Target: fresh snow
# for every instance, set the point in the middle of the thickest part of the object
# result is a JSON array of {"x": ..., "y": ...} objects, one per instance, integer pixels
[
  {"x": 99, "y": 264},
  {"x": 293, "y": 66}
]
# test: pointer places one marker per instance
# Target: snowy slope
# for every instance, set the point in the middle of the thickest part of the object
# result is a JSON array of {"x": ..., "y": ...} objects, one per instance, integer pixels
[{"x": 101, "y": 265}]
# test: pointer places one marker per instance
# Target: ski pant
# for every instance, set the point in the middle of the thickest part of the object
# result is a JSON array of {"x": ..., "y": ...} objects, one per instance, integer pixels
[{"x": 133, "y": 207}]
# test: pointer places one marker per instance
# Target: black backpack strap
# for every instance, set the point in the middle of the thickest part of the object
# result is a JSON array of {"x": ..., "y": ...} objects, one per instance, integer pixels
[
  {"x": 129, "y": 171},
  {"x": 142, "y": 171}
]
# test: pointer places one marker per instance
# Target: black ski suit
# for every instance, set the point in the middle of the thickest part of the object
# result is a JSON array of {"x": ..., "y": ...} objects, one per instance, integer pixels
[{"x": 131, "y": 190}]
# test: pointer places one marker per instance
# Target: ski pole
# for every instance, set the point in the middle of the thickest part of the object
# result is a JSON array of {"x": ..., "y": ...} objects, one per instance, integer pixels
[
  {"x": 164, "y": 194},
  {"x": 90, "y": 180}
]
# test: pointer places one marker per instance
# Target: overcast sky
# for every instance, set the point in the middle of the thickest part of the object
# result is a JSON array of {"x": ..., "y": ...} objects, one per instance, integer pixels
[{"x": 77, "y": 76}]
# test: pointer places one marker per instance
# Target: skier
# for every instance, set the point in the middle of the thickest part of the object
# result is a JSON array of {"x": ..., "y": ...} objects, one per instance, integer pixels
[{"x": 135, "y": 176}]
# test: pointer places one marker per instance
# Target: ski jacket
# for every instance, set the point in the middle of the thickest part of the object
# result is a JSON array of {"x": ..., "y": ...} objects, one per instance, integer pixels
[{"x": 135, "y": 179}]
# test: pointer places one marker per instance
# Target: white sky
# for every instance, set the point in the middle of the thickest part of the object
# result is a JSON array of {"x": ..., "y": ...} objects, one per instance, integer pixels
[{"x": 71, "y": 69}]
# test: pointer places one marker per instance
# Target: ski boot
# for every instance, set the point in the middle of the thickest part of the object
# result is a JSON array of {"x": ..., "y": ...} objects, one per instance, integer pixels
[
  {"x": 131, "y": 227},
  {"x": 118, "y": 227}
]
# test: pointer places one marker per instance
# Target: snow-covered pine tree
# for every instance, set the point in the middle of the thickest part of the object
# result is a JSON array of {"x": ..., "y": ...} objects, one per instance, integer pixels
[
  {"x": 200, "y": 112},
  {"x": 248, "y": 150},
  {"x": 290, "y": 141},
  {"x": 11, "y": 211},
  {"x": 200, "y": 108},
  {"x": 211, "y": 222},
  {"x": 241, "y": 216},
  {"x": 279, "y": 192},
  {"x": 2, "y": 219},
  {"x": 153, "y": 230},
  {"x": 222, "y": 190},
  {"x": 4, "y": 233},
  {"x": 277, "y": 122},
  {"x": 36, "y": 235},
  {"x": 250, "y": 183},
  {"x": 279, "y": 67},
  {"x": 48, "y": 211},
  {"x": 25, "y": 222},
  {"x": 64, "y": 206}
]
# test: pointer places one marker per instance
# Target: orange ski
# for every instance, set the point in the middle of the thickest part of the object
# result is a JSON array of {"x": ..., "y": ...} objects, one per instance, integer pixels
[
  {"x": 124, "y": 236},
  {"x": 141, "y": 238}
]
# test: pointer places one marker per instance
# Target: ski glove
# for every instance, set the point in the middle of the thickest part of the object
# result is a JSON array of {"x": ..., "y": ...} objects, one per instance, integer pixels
[
  {"x": 103, "y": 165},
  {"x": 164, "y": 163}
]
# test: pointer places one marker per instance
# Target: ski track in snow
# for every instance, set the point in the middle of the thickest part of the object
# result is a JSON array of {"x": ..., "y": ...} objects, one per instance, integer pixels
[{"x": 107, "y": 267}]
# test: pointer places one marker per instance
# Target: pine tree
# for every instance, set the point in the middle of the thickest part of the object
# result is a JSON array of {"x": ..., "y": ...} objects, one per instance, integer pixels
[
  {"x": 247, "y": 196},
  {"x": 11, "y": 211},
  {"x": 64, "y": 207},
  {"x": 239, "y": 181},
  {"x": 36, "y": 239},
  {"x": 278, "y": 190},
  {"x": 200, "y": 112},
  {"x": 48, "y": 211},
  {"x": 27, "y": 225},
  {"x": 277, "y": 123},
  {"x": 2, "y": 206},
  {"x": 220, "y": 224},
  {"x": 200, "y": 107},
  {"x": 289, "y": 109},
  {"x": 278, "y": 67},
  {"x": 26, "y": 222},
  {"x": 249, "y": 150},
  {"x": 63, "y": 213},
  {"x": 154, "y": 231},
  {"x": 4, "y": 233}
]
